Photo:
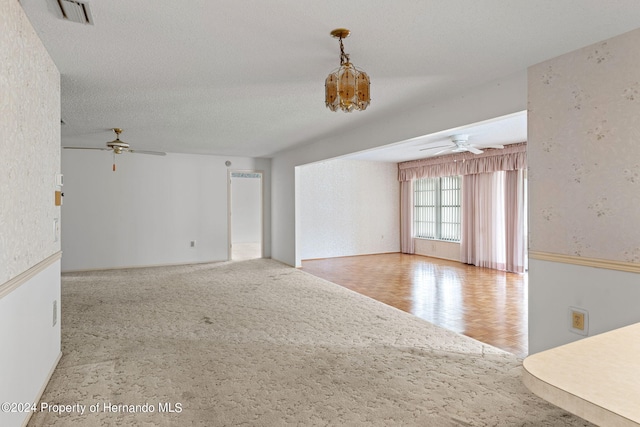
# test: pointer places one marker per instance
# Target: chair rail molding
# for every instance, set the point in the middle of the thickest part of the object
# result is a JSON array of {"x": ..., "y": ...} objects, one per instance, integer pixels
[{"x": 629, "y": 267}]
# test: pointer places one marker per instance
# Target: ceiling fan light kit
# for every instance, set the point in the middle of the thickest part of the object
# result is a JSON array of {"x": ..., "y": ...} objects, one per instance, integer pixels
[
  {"x": 116, "y": 145},
  {"x": 346, "y": 88},
  {"x": 462, "y": 144}
]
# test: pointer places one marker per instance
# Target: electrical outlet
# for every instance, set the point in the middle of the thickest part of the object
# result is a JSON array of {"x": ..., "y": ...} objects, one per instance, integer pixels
[{"x": 579, "y": 321}]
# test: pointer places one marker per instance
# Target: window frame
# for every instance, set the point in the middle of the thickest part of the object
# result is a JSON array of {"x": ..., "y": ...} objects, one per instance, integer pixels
[{"x": 431, "y": 197}]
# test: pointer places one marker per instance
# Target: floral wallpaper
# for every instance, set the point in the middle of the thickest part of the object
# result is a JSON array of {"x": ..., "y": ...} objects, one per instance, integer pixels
[
  {"x": 29, "y": 145},
  {"x": 584, "y": 152}
]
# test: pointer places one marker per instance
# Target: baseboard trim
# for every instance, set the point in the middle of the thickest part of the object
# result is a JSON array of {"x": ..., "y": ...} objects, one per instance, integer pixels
[
  {"x": 22, "y": 278},
  {"x": 629, "y": 267},
  {"x": 42, "y": 389},
  {"x": 348, "y": 256},
  {"x": 131, "y": 267},
  {"x": 439, "y": 257}
]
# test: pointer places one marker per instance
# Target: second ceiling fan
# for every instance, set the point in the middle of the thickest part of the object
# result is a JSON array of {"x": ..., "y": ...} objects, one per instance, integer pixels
[{"x": 460, "y": 144}]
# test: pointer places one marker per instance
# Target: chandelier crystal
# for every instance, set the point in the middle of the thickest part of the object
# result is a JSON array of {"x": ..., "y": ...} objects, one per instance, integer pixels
[{"x": 346, "y": 88}]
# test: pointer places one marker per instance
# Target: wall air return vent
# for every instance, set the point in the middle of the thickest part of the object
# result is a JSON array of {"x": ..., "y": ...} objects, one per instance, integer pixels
[{"x": 75, "y": 11}]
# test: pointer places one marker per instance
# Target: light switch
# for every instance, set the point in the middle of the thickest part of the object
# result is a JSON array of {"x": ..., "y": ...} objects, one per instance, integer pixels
[{"x": 56, "y": 230}]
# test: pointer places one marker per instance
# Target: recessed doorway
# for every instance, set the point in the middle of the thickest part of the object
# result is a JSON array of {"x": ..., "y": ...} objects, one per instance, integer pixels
[{"x": 245, "y": 215}]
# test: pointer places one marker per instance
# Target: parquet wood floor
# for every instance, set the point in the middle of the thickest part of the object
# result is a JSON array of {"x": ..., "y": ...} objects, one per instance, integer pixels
[{"x": 488, "y": 305}]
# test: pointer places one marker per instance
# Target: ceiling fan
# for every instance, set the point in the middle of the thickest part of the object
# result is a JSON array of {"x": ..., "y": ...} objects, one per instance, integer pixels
[
  {"x": 117, "y": 146},
  {"x": 460, "y": 145}
]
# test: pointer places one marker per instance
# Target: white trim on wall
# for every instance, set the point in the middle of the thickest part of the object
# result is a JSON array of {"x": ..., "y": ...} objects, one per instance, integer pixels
[
  {"x": 24, "y": 277},
  {"x": 586, "y": 262}
]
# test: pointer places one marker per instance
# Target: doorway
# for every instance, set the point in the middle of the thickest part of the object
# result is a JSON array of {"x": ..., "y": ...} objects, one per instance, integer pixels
[{"x": 245, "y": 215}]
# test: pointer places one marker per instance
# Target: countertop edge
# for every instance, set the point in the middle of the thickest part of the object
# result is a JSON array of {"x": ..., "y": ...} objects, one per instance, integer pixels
[{"x": 572, "y": 403}]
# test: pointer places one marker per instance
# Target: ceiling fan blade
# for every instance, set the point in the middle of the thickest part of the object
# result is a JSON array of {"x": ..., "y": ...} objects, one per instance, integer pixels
[
  {"x": 433, "y": 148},
  {"x": 494, "y": 146},
  {"x": 155, "y": 153},
  {"x": 474, "y": 150},
  {"x": 86, "y": 148},
  {"x": 442, "y": 151}
]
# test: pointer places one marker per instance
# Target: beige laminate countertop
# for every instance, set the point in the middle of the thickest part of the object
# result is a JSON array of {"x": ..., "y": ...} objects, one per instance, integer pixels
[{"x": 596, "y": 378}]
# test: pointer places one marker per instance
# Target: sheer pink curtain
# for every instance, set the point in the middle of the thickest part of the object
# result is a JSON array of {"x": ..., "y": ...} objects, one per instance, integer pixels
[
  {"x": 467, "y": 225},
  {"x": 492, "y": 220},
  {"x": 514, "y": 221},
  {"x": 406, "y": 217}
]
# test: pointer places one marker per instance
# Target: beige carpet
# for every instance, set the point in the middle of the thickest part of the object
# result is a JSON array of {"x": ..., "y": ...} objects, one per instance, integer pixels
[{"x": 257, "y": 343}]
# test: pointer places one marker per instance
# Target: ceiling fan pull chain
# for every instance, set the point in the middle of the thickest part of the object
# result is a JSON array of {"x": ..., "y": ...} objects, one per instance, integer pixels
[{"x": 114, "y": 161}]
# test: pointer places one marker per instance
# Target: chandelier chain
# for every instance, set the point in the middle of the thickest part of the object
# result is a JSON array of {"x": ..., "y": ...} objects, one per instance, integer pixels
[{"x": 344, "y": 58}]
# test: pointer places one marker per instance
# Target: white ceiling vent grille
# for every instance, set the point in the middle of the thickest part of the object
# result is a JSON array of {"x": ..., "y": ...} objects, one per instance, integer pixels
[{"x": 75, "y": 11}]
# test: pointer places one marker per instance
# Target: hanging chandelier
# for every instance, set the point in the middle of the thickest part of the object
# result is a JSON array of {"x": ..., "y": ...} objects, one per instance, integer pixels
[{"x": 346, "y": 88}]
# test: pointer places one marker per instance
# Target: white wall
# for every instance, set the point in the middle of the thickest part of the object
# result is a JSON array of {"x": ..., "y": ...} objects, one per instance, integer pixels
[
  {"x": 30, "y": 341},
  {"x": 148, "y": 211},
  {"x": 437, "y": 249},
  {"x": 348, "y": 207},
  {"x": 583, "y": 151},
  {"x": 246, "y": 210},
  {"x": 29, "y": 160},
  {"x": 610, "y": 297},
  {"x": 498, "y": 98}
]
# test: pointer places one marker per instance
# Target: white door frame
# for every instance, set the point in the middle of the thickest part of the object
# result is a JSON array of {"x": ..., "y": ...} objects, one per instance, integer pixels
[{"x": 230, "y": 172}]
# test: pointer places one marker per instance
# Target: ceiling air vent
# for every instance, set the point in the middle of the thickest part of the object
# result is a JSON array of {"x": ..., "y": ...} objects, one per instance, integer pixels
[{"x": 75, "y": 11}]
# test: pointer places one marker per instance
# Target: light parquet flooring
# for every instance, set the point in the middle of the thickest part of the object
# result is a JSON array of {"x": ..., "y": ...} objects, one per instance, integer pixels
[{"x": 485, "y": 304}]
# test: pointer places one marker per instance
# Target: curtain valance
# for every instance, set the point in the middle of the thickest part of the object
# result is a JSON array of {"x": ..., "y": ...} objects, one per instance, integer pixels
[{"x": 511, "y": 157}]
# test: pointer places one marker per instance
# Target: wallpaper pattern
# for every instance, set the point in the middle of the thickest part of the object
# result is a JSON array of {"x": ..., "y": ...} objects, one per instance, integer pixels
[
  {"x": 29, "y": 144},
  {"x": 347, "y": 207},
  {"x": 584, "y": 152}
]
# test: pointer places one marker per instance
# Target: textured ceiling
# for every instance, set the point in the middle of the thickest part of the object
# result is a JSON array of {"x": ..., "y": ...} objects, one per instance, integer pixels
[
  {"x": 246, "y": 78},
  {"x": 499, "y": 131}
]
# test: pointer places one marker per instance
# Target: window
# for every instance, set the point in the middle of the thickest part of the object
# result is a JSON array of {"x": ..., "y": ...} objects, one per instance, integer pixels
[{"x": 436, "y": 204}]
